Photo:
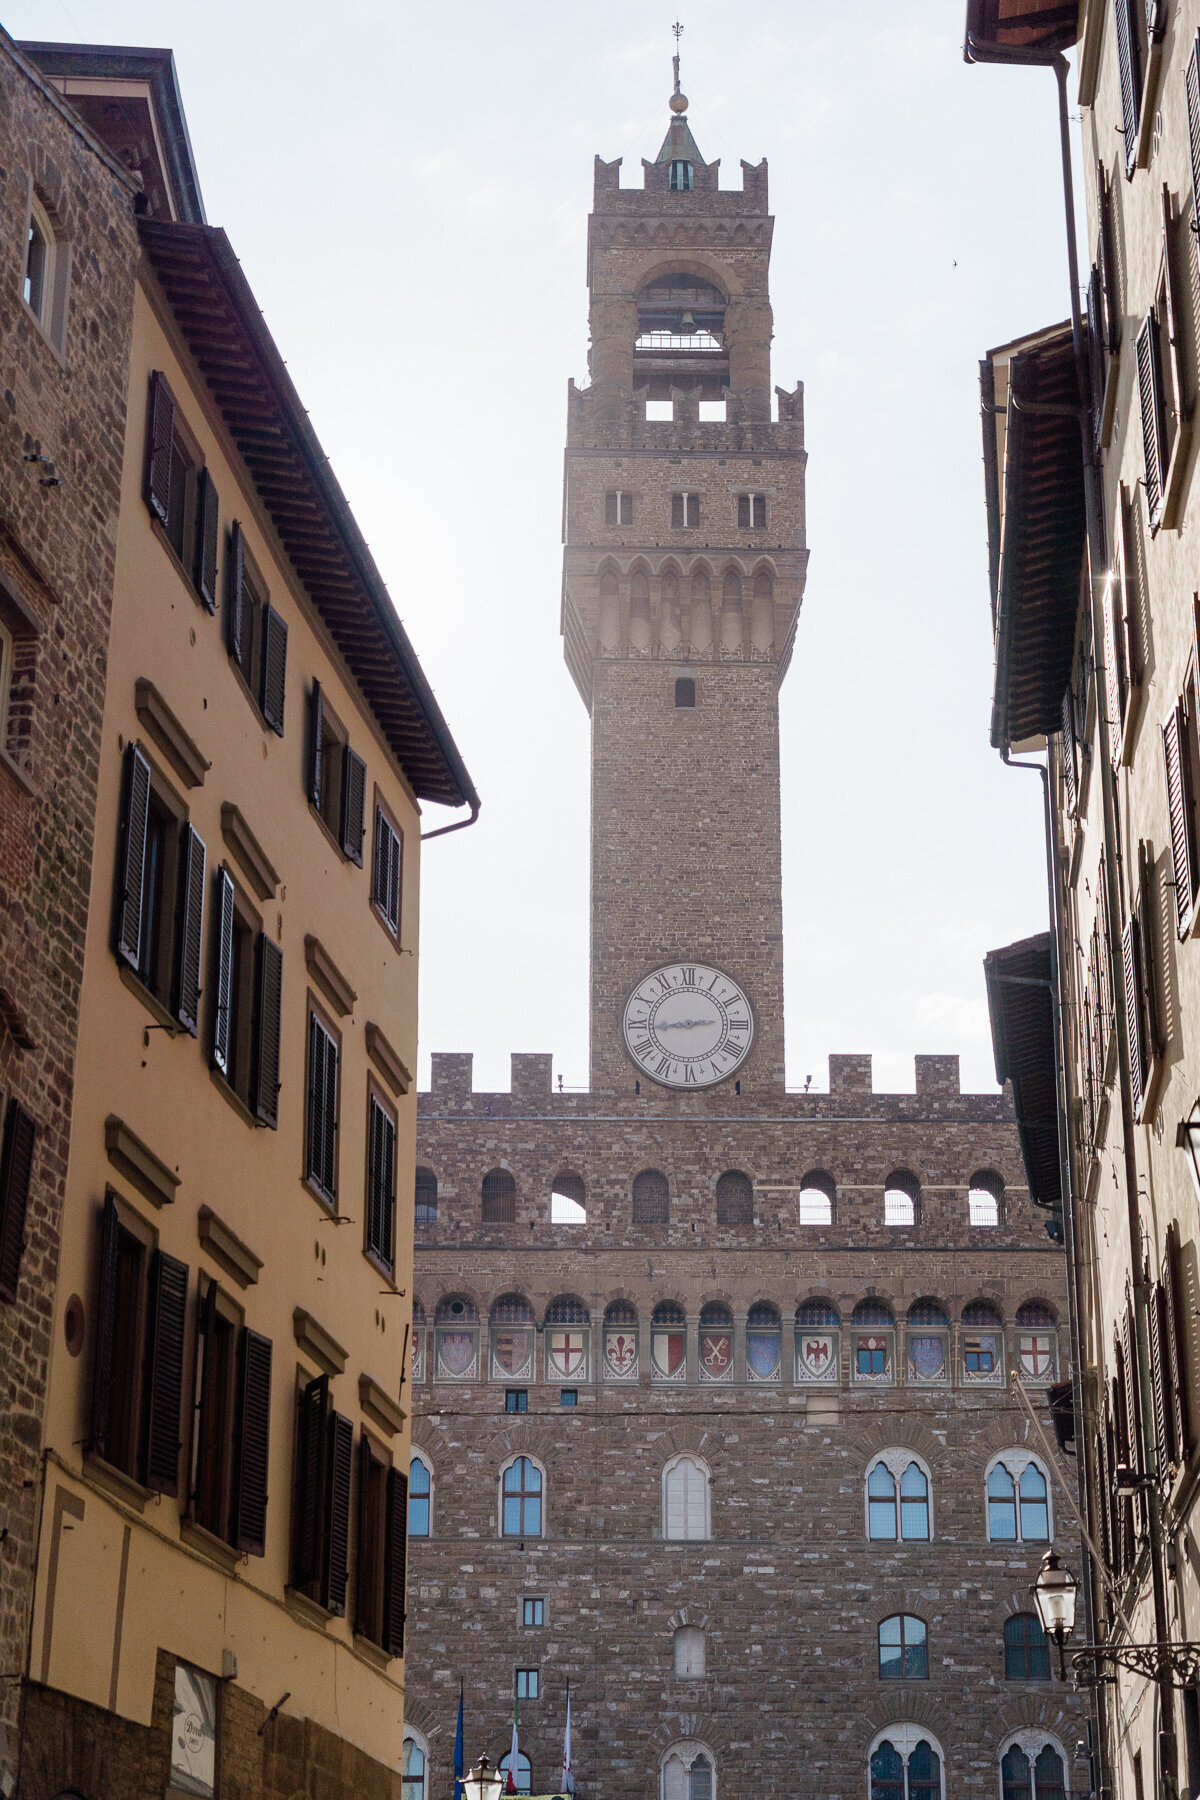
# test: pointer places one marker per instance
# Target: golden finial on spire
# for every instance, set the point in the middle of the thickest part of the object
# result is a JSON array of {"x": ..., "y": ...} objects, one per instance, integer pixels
[{"x": 678, "y": 101}]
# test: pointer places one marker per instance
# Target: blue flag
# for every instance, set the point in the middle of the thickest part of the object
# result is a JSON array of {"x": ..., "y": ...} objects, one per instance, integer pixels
[{"x": 458, "y": 1749}]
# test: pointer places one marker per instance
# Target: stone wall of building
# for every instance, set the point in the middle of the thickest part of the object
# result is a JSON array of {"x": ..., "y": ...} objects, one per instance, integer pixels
[
  {"x": 63, "y": 403},
  {"x": 788, "y": 1588}
]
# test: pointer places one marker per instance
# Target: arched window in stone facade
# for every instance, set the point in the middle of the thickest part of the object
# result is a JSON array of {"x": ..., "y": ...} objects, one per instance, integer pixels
[
  {"x": 898, "y": 1498},
  {"x": 426, "y": 1197},
  {"x": 815, "y": 1205},
  {"x": 903, "y": 1649},
  {"x": 420, "y": 1497},
  {"x": 499, "y": 1197},
  {"x": 1026, "y": 1652},
  {"x": 522, "y": 1492},
  {"x": 568, "y": 1199},
  {"x": 901, "y": 1198},
  {"x": 414, "y": 1770},
  {"x": 1018, "y": 1499},
  {"x": 651, "y": 1198},
  {"x": 685, "y": 1499},
  {"x": 1033, "y": 1767},
  {"x": 689, "y": 1773},
  {"x": 983, "y": 1198},
  {"x": 689, "y": 1652},
  {"x": 735, "y": 1198},
  {"x": 906, "y": 1763}
]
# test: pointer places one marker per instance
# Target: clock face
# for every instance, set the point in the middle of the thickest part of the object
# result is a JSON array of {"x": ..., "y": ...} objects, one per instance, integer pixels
[{"x": 688, "y": 1025}]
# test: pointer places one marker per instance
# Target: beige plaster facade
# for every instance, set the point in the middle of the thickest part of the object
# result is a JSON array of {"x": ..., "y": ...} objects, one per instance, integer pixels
[{"x": 221, "y": 1541}]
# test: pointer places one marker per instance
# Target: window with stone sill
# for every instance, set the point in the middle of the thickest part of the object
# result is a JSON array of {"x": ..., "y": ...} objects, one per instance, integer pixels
[
  {"x": 140, "y": 1324},
  {"x": 1026, "y": 1652},
  {"x": 45, "y": 278},
  {"x": 246, "y": 988},
  {"x": 521, "y": 1494},
  {"x": 179, "y": 490},
  {"x": 19, "y": 635},
  {"x": 903, "y": 1649},
  {"x": 159, "y": 918},
  {"x": 689, "y": 1652}
]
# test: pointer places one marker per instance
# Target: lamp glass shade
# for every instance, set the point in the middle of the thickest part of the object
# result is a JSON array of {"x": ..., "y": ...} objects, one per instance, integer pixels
[
  {"x": 1055, "y": 1592},
  {"x": 483, "y": 1782}
]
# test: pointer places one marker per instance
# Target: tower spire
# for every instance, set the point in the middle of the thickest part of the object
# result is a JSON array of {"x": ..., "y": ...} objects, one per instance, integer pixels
[{"x": 678, "y": 101}]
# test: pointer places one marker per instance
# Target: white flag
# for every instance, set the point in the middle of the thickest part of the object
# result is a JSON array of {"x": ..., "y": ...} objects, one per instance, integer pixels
[{"x": 568, "y": 1780}]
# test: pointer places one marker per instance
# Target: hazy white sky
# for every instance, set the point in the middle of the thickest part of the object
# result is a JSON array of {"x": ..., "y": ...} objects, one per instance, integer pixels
[{"x": 408, "y": 188}]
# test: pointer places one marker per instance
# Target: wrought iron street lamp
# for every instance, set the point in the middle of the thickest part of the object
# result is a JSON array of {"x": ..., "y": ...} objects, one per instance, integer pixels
[
  {"x": 484, "y": 1782},
  {"x": 1055, "y": 1593}
]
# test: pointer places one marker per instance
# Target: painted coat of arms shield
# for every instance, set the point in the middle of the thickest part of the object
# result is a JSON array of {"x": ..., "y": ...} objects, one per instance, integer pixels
[
  {"x": 1036, "y": 1354},
  {"x": 927, "y": 1357},
  {"x": 566, "y": 1354},
  {"x": 512, "y": 1351},
  {"x": 456, "y": 1354},
  {"x": 666, "y": 1355},
  {"x": 621, "y": 1355},
  {"x": 762, "y": 1355},
  {"x": 716, "y": 1356},
  {"x": 816, "y": 1356}
]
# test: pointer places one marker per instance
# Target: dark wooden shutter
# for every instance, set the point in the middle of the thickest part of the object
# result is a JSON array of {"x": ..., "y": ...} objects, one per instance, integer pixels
[
  {"x": 207, "y": 517},
  {"x": 164, "y": 1371},
  {"x": 1128, "y": 62},
  {"x": 252, "y": 1448},
  {"x": 160, "y": 437},
  {"x": 1111, "y": 311},
  {"x": 235, "y": 599},
  {"x": 337, "y": 1551},
  {"x": 316, "y": 729},
  {"x": 366, "y": 1600},
  {"x": 381, "y": 1185},
  {"x": 1174, "y": 1289},
  {"x": 310, "y": 1490},
  {"x": 16, "y": 1172},
  {"x": 354, "y": 802},
  {"x": 190, "y": 935},
  {"x": 394, "y": 1560},
  {"x": 322, "y": 1106},
  {"x": 610, "y": 509},
  {"x": 274, "y": 668},
  {"x": 222, "y": 1042},
  {"x": 1112, "y": 668},
  {"x": 1150, "y": 396},
  {"x": 1095, "y": 345},
  {"x": 1131, "y": 963},
  {"x": 268, "y": 1026},
  {"x": 131, "y": 856},
  {"x": 1069, "y": 770},
  {"x": 1162, "y": 1439},
  {"x": 1191, "y": 84},
  {"x": 1178, "y": 796},
  {"x": 387, "y": 870},
  {"x": 106, "y": 1329}
]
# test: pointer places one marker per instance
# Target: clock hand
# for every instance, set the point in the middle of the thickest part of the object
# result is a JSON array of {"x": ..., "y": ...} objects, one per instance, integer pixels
[{"x": 682, "y": 1024}]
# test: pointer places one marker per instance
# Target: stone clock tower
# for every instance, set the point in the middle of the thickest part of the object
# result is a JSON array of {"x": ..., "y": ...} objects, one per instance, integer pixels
[
  {"x": 683, "y": 574},
  {"x": 674, "y": 1336}
]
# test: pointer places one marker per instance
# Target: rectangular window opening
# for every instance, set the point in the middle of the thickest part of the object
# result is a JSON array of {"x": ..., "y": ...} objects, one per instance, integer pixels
[
  {"x": 516, "y": 1400},
  {"x": 527, "y": 1684},
  {"x": 533, "y": 1610},
  {"x": 712, "y": 412},
  {"x": 660, "y": 412}
]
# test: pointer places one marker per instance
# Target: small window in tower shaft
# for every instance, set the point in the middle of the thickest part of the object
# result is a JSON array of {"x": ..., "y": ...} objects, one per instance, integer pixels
[
  {"x": 685, "y": 691},
  {"x": 618, "y": 509},
  {"x": 681, "y": 177}
]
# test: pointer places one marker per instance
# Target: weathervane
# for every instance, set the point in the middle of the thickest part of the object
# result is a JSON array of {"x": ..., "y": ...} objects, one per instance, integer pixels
[{"x": 678, "y": 99}]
